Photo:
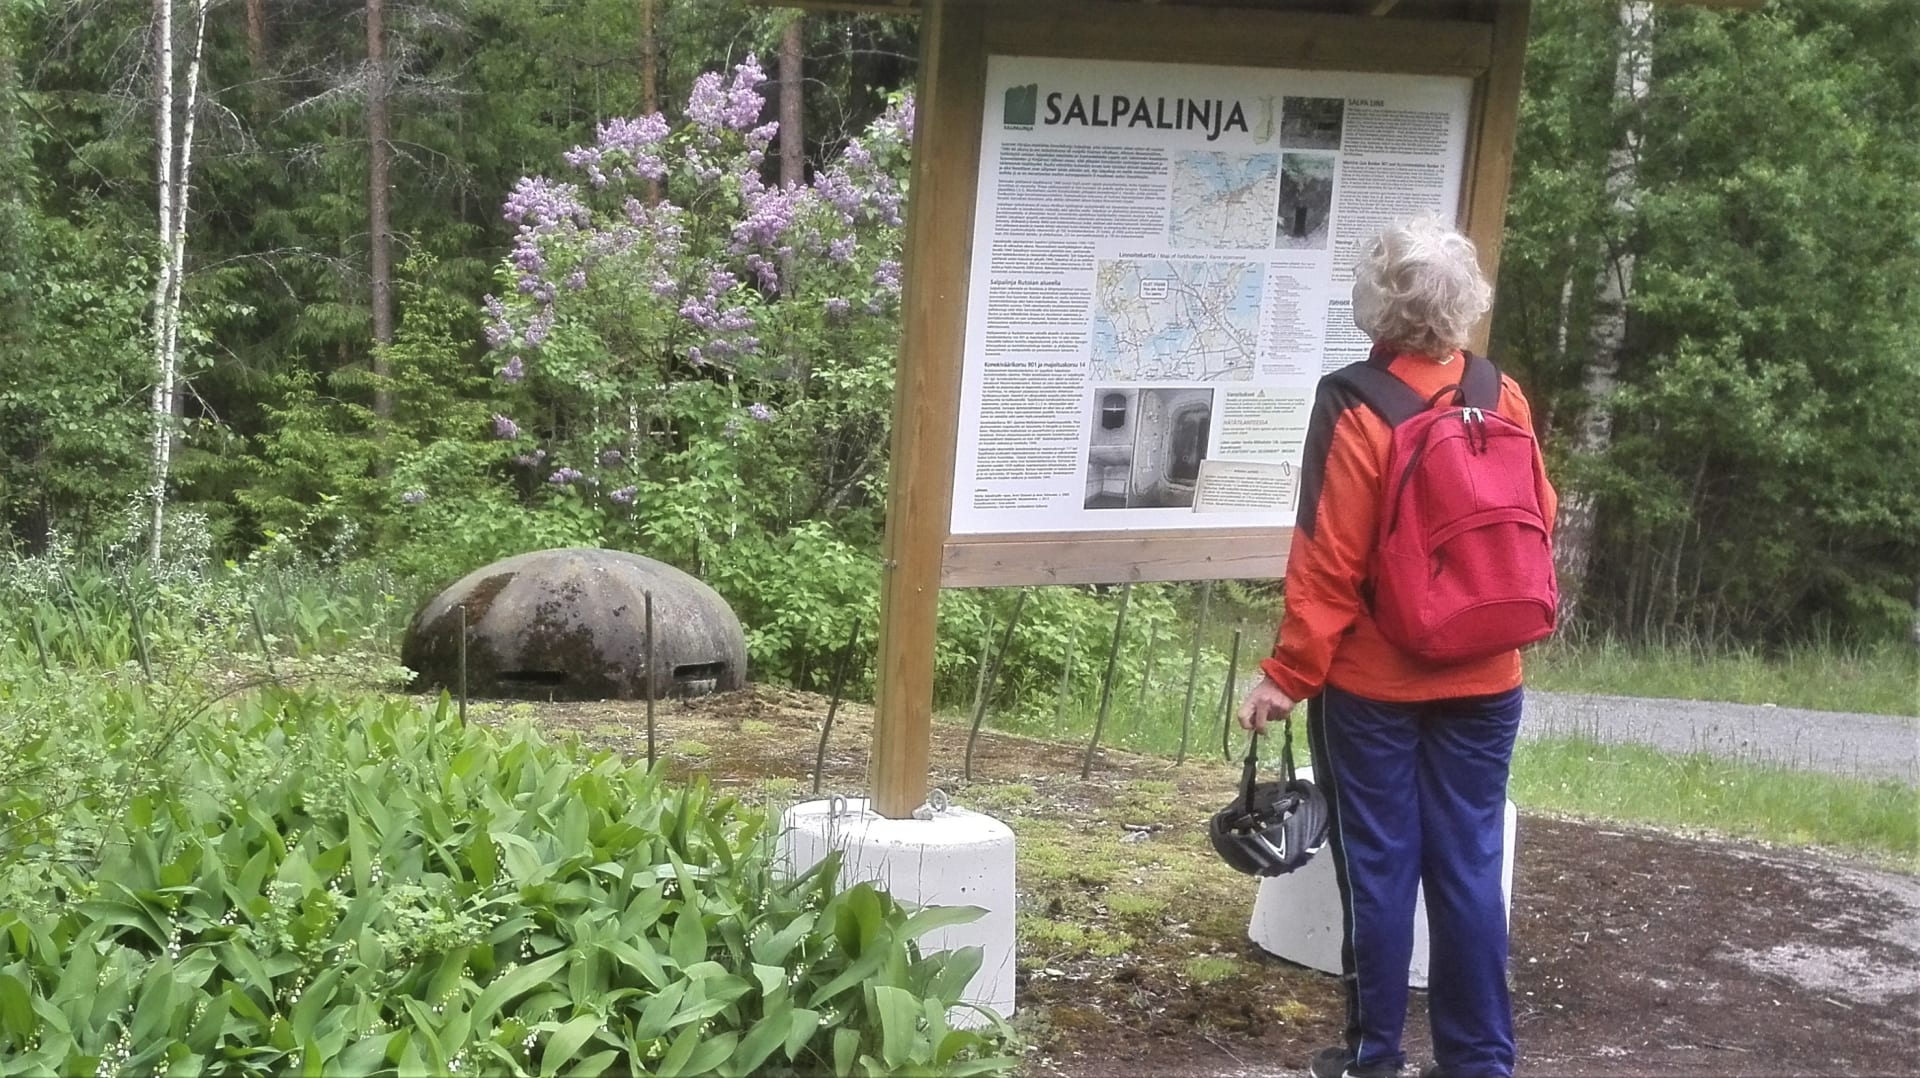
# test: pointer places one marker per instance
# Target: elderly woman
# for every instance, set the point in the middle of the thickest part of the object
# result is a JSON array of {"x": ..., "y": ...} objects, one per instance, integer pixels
[{"x": 1413, "y": 754}]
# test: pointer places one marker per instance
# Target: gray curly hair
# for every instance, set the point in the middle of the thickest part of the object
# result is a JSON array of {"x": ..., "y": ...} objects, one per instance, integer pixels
[{"x": 1418, "y": 286}]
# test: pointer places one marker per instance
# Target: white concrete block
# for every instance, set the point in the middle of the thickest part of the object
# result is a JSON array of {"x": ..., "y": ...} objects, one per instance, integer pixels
[
  {"x": 1297, "y": 916},
  {"x": 957, "y": 858}
]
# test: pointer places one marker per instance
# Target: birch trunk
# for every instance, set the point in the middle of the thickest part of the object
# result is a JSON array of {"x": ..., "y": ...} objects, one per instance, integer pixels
[
  {"x": 162, "y": 404},
  {"x": 379, "y": 211},
  {"x": 175, "y": 173},
  {"x": 1613, "y": 289}
]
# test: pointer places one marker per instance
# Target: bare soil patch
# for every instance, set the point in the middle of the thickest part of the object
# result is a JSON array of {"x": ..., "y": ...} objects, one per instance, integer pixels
[{"x": 1635, "y": 952}]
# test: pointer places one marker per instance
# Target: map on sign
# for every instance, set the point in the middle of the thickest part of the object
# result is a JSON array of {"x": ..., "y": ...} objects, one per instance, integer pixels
[
  {"x": 1169, "y": 320},
  {"x": 1222, "y": 199}
]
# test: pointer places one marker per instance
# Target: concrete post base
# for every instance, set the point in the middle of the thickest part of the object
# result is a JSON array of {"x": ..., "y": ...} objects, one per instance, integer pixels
[
  {"x": 1298, "y": 917},
  {"x": 957, "y": 858}
]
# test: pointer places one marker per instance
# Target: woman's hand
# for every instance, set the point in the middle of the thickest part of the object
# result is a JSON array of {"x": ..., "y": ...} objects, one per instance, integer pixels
[{"x": 1264, "y": 704}]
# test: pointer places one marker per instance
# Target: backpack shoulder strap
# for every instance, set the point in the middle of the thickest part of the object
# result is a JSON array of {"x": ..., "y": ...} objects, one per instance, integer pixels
[
  {"x": 1480, "y": 383},
  {"x": 1390, "y": 398}
]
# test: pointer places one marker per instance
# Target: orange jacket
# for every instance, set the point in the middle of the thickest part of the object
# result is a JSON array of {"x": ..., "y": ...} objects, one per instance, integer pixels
[{"x": 1327, "y": 636}]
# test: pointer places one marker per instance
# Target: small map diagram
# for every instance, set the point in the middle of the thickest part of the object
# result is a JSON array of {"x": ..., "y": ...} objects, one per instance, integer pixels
[
  {"x": 1223, "y": 200},
  {"x": 1167, "y": 320}
]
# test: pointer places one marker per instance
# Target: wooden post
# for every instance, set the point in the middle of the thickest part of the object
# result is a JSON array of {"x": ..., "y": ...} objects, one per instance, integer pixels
[
  {"x": 1495, "y": 121},
  {"x": 946, "y": 159}
]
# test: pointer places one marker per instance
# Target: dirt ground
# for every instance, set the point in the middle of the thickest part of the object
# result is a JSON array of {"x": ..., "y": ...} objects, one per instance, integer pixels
[{"x": 1634, "y": 952}]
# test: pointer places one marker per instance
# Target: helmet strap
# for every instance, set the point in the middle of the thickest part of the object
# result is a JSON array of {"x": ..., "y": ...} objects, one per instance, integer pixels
[{"x": 1250, "y": 766}]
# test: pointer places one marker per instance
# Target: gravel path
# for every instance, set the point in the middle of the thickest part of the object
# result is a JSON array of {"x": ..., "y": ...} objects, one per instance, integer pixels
[{"x": 1839, "y": 743}]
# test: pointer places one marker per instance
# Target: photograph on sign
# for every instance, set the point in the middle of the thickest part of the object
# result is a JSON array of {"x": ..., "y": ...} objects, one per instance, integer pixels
[{"x": 1160, "y": 274}]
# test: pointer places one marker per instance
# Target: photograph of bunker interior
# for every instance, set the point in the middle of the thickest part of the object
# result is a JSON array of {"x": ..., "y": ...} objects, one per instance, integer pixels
[{"x": 572, "y": 624}]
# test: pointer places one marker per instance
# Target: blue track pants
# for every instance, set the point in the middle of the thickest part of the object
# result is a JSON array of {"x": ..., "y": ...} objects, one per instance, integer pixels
[{"x": 1418, "y": 793}]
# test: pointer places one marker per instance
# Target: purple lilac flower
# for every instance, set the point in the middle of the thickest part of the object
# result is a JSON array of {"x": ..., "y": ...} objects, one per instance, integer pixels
[
  {"x": 576, "y": 280},
  {"x": 700, "y": 313},
  {"x": 857, "y": 155},
  {"x": 539, "y": 326},
  {"x": 413, "y": 497},
  {"x": 841, "y": 250},
  {"x": 624, "y": 495},
  {"x": 694, "y": 357},
  {"x": 733, "y": 105},
  {"x": 543, "y": 204},
  {"x": 563, "y": 477},
  {"x": 515, "y": 370},
  {"x": 839, "y": 192},
  {"x": 769, "y": 215},
  {"x": 887, "y": 275},
  {"x": 612, "y": 458},
  {"x": 760, "y": 412},
  {"x": 664, "y": 288},
  {"x": 767, "y": 273},
  {"x": 504, "y": 428},
  {"x": 633, "y": 135},
  {"x": 734, "y": 320},
  {"x": 837, "y": 307}
]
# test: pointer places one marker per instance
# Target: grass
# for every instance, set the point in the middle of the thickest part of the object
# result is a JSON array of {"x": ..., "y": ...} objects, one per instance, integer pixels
[
  {"x": 1578, "y": 776},
  {"x": 1696, "y": 792},
  {"x": 1882, "y": 680}
]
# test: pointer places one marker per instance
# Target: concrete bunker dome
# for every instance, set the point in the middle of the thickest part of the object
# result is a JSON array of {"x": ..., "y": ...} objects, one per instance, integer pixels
[{"x": 570, "y": 624}]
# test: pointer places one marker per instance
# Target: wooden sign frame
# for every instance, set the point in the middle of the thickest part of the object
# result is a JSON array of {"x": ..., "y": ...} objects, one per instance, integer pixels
[{"x": 921, "y": 554}]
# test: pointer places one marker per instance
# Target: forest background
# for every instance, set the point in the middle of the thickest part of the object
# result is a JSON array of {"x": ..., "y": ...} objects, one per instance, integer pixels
[{"x": 401, "y": 288}]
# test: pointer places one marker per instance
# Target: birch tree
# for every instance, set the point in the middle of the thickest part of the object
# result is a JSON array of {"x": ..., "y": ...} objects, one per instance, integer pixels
[
  {"x": 173, "y": 131},
  {"x": 1613, "y": 289}
]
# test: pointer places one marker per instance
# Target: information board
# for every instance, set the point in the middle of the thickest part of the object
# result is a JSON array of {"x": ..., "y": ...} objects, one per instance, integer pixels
[{"x": 1161, "y": 272}]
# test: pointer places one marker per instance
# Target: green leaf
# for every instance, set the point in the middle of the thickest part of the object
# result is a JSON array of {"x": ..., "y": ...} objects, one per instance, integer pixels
[
  {"x": 313, "y": 1001},
  {"x": 800, "y": 1030},
  {"x": 657, "y": 1017},
  {"x": 846, "y": 1049},
  {"x": 766, "y": 1035},
  {"x": 155, "y": 1009},
  {"x": 513, "y": 983},
  {"x": 694, "y": 1053},
  {"x": 899, "y": 1013},
  {"x": 16, "y": 1007},
  {"x": 566, "y": 1041},
  {"x": 957, "y": 969},
  {"x": 931, "y": 918},
  {"x": 774, "y": 949},
  {"x": 689, "y": 943}
]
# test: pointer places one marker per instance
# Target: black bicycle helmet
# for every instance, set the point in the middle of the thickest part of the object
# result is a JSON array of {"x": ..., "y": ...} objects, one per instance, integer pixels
[{"x": 1272, "y": 828}]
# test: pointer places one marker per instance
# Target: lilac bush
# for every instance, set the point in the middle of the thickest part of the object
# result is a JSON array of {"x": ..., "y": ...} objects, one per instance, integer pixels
[{"x": 702, "y": 356}]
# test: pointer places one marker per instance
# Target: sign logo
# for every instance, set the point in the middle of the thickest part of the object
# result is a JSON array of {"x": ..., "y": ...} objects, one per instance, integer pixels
[{"x": 1022, "y": 107}]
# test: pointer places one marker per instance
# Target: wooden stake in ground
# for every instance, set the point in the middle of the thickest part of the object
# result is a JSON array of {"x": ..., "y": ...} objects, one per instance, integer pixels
[
  {"x": 992, "y": 674},
  {"x": 1146, "y": 674},
  {"x": 1226, "y": 700},
  {"x": 1066, "y": 679},
  {"x": 833, "y": 703},
  {"x": 1106, "y": 683},
  {"x": 1193, "y": 670},
  {"x": 648, "y": 614}
]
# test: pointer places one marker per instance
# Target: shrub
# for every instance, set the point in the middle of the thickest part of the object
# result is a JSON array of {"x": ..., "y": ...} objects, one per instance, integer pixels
[{"x": 297, "y": 884}]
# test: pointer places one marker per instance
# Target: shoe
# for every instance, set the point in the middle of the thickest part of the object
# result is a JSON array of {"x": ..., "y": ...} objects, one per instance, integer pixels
[{"x": 1337, "y": 1062}]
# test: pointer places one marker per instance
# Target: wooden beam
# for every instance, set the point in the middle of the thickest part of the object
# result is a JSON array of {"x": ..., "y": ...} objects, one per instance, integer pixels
[
  {"x": 997, "y": 561},
  {"x": 938, "y": 261},
  {"x": 1490, "y": 138},
  {"x": 1240, "y": 37},
  {"x": 1375, "y": 8}
]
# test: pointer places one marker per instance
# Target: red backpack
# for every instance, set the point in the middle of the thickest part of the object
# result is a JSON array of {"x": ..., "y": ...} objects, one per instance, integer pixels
[{"x": 1463, "y": 567}]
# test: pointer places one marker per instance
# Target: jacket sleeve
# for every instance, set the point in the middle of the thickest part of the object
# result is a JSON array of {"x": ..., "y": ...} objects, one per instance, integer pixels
[{"x": 1333, "y": 542}]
